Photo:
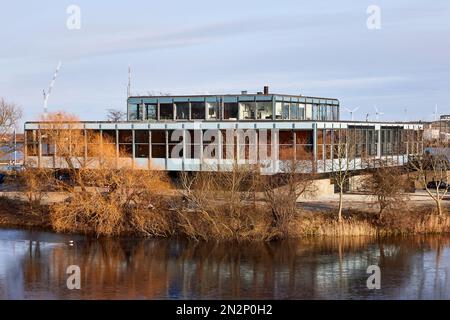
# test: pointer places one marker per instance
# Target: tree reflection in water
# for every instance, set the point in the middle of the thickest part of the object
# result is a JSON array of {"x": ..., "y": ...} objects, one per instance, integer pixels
[{"x": 328, "y": 268}]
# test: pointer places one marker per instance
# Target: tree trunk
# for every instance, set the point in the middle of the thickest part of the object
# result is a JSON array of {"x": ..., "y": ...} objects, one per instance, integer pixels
[
  {"x": 439, "y": 207},
  {"x": 340, "y": 204}
]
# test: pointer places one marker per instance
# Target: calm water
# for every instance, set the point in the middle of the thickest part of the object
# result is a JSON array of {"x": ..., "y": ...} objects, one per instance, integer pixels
[{"x": 33, "y": 265}]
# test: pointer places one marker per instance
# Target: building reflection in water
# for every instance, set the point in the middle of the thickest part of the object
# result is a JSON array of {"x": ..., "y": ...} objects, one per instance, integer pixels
[{"x": 158, "y": 269}]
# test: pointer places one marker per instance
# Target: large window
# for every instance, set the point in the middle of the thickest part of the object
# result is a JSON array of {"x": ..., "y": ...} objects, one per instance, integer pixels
[
  {"x": 125, "y": 143},
  {"x": 182, "y": 110},
  {"x": 109, "y": 141},
  {"x": 133, "y": 112},
  {"x": 213, "y": 110},
  {"x": 264, "y": 110},
  {"x": 315, "y": 112},
  {"x": 329, "y": 112},
  {"x": 109, "y": 136},
  {"x": 174, "y": 141},
  {"x": 141, "y": 144},
  {"x": 166, "y": 111},
  {"x": 282, "y": 110},
  {"x": 158, "y": 143},
  {"x": 93, "y": 143},
  {"x": 286, "y": 148},
  {"x": 211, "y": 144},
  {"x": 335, "y": 113},
  {"x": 152, "y": 111},
  {"x": 308, "y": 112},
  {"x": 198, "y": 110},
  {"x": 48, "y": 148},
  {"x": 193, "y": 147},
  {"x": 304, "y": 144},
  {"x": 372, "y": 141},
  {"x": 295, "y": 111},
  {"x": 32, "y": 142},
  {"x": 230, "y": 111},
  {"x": 301, "y": 111},
  {"x": 247, "y": 110}
]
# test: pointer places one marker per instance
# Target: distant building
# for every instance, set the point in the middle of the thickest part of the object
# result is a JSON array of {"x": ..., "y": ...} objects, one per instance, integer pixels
[
  {"x": 11, "y": 152},
  {"x": 438, "y": 130}
]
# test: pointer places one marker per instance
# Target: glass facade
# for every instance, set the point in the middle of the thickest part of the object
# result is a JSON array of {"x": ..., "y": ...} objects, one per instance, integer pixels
[
  {"x": 365, "y": 141},
  {"x": 232, "y": 108}
]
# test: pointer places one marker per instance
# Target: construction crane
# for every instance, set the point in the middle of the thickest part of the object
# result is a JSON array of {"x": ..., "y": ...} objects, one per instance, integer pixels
[{"x": 47, "y": 94}]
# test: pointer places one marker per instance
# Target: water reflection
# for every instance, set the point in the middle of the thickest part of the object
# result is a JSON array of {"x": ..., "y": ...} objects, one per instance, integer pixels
[{"x": 33, "y": 265}]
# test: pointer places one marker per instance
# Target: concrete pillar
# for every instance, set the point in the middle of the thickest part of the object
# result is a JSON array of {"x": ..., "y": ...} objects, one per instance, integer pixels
[
  {"x": 379, "y": 143},
  {"x": 39, "y": 148},
  {"x": 315, "y": 144}
]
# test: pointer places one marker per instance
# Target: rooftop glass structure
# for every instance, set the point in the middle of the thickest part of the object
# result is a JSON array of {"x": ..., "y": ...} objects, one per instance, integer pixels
[{"x": 241, "y": 107}]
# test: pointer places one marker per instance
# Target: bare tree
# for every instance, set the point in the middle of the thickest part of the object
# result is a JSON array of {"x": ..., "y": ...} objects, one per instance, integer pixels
[
  {"x": 103, "y": 199},
  {"x": 282, "y": 191},
  {"x": 116, "y": 115},
  {"x": 62, "y": 132},
  {"x": 386, "y": 184},
  {"x": 219, "y": 204},
  {"x": 10, "y": 114},
  {"x": 344, "y": 154},
  {"x": 36, "y": 184},
  {"x": 434, "y": 165}
]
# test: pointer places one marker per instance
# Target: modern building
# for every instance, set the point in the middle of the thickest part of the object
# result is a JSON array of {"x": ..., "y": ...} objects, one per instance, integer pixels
[{"x": 216, "y": 131}]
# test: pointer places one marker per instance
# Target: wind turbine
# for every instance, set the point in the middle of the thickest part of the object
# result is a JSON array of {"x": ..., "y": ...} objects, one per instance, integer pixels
[
  {"x": 378, "y": 113},
  {"x": 351, "y": 111},
  {"x": 47, "y": 94}
]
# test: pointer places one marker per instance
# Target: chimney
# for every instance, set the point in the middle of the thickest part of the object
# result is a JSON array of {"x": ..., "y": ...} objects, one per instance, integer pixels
[{"x": 266, "y": 90}]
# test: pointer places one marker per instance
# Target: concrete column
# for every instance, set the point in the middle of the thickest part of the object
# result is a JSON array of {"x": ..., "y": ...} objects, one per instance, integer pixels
[
  {"x": 183, "y": 159},
  {"x": 379, "y": 143},
  {"x": 133, "y": 146},
  {"x": 85, "y": 144},
  {"x": 149, "y": 149},
  {"x": 237, "y": 144},
  {"x": 201, "y": 148},
  {"x": 158, "y": 117},
  {"x": 315, "y": 144},
  {"x": 117, "y": 147},
  {"x": 219, "y": 149},
  {"x": 295, "y": 145},
  {"x": 167, "y": 147},
  {"x": 39, "y": 148}
]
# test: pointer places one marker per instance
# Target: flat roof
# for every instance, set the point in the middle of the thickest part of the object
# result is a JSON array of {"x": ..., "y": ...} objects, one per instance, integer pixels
[
  {"x": 229, "y": 95},
  {"x": 237, "y": 121}
]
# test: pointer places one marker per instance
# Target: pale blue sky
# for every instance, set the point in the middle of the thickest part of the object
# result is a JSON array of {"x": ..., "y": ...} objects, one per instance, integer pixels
[{"x": 320, "y": 48}]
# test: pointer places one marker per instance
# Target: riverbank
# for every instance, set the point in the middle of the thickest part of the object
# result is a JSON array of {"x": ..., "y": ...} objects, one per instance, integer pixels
[
  {"x": 16, "y": 213},
  {"x": 313, "y": 218}
]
